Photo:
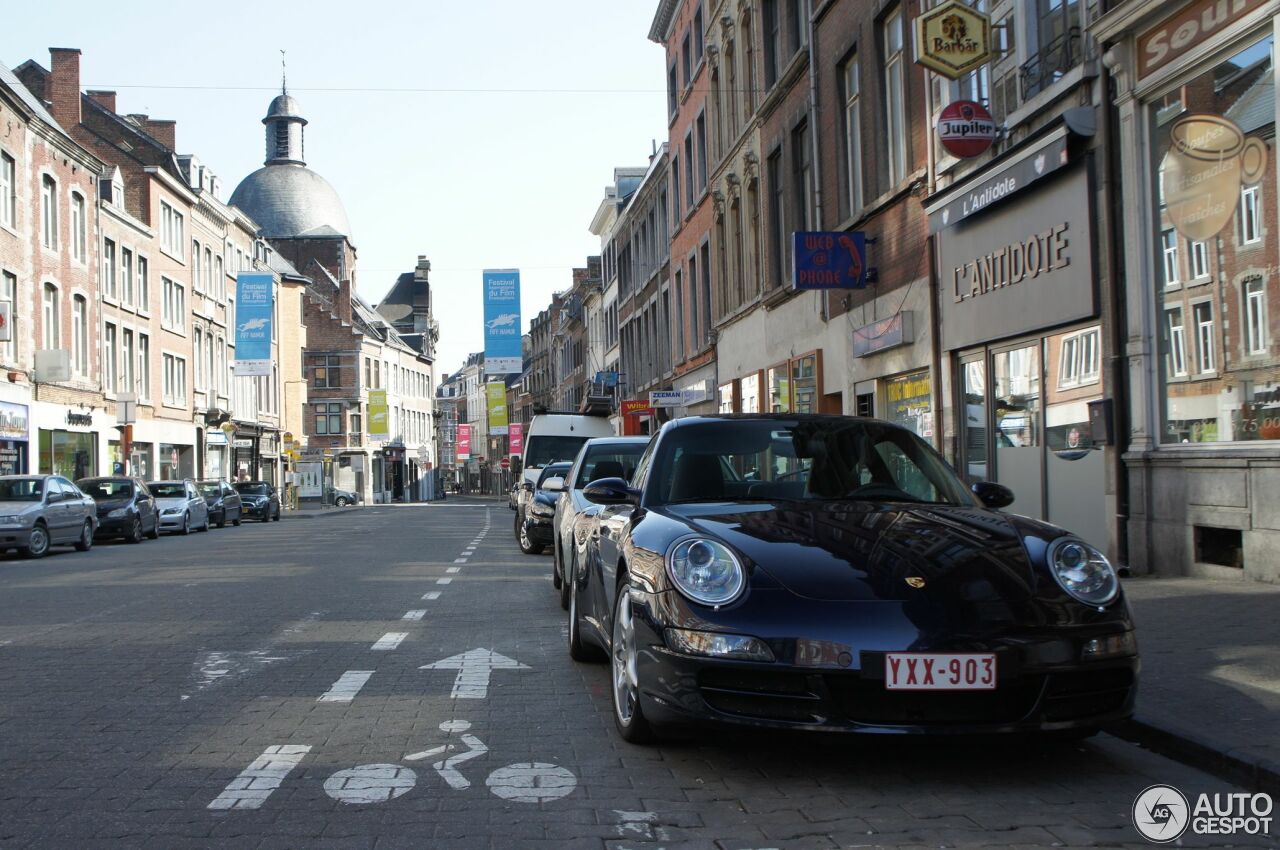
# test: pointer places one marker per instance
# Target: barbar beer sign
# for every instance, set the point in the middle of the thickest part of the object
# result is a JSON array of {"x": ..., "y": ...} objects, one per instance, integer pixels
[{"x": 953, "y": 39}]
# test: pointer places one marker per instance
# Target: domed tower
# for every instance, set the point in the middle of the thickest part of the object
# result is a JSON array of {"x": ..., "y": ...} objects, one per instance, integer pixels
[{"x": 285, "y": 197}]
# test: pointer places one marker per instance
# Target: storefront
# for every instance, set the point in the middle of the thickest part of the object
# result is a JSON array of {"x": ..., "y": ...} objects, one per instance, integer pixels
[
  {"x": 216, "y": 450},
  {"x": 177, "y": 461},
  {"x": 1196, "y": 108},
  {"x": 1021, "y": 334},
  {"x": 14, "y": 434},
  {"x": 70, "y": 451}
]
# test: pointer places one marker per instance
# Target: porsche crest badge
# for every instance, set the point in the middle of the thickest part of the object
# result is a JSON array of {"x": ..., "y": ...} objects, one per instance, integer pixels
[{"x": 915, "y": 581}]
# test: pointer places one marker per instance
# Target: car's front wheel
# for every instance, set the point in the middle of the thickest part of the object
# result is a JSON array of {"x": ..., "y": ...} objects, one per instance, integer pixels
[
  {"x": 628, "y": 715},
  {"x": 38, "y": 544},
  {"x": 340, "y": 502},
  {"x": 222, "y": 519},
  {"x": 564, "y": 567},
  {"x": 134, "y": 534},
  {"x": 276, "y": 518},
  {"x": 85, "y": 543},
  {"x": 186, "y": 523},
  {"x": 527, "y": 546},
  {"x": 154, "y": 533}
]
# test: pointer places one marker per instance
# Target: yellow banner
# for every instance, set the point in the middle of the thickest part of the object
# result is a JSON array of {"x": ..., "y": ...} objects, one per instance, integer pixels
[
  {"x": 496, "y": 396},
  {"x": 378, "y": 419}
]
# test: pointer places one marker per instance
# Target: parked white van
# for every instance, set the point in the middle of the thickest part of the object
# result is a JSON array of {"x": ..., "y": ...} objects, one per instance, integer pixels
[{"x": 551, "y": 437}]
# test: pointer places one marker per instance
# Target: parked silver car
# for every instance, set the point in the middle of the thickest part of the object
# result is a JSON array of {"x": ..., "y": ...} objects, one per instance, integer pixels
[
  {"x": 39, "y": 511},
  {"x": 180, "y": 505}
]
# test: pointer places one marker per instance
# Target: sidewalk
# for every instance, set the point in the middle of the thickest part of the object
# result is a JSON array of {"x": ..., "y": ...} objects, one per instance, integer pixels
[{"x": 1209, "y": 691}]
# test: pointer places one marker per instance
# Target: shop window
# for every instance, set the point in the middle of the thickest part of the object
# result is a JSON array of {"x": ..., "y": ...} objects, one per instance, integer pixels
[
  {"x": 1212, "y": 139},
  {"x": 749, "y": 393},
  {"x": 908, "y": 401}
]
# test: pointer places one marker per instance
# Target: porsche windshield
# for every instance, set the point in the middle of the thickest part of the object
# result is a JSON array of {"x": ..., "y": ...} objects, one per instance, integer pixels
[{"x": 810, "y": 460}]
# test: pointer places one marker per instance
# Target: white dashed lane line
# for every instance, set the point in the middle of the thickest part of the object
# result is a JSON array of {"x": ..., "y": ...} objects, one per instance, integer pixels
[
  {"x": 264, "y": 774},
  {"x": 435, "y": 594},
  {"x": 444, "y": 581},
  {"x": 416, "y": 614},
  {"x": 390, "y": 641},
  {"x": 347, "y": 686},
  {"x": 453, "y": 569}
]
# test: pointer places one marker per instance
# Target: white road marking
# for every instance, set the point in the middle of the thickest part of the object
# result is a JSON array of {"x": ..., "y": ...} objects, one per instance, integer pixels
[
  {"x": 459, "y": 560},
  {"x": 531, "y": 782},
  {"x": 636, "y": 824},
  {"x": 453, "y": 570},
  {"x": 474, "y": 667},
  {"x": 347, "y": 686},
  {"x": 434, "y": 594},
  {"x": 264, "y": 774},
  {"x": 415, "y": 614},
  {"x": 370, "y": 783},
  {"x": 444, "y": 581},
  {"x": 390, "y": 640}
]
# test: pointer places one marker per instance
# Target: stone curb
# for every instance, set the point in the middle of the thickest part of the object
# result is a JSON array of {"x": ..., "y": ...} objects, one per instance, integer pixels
[{"x": 1256, "y": 774}]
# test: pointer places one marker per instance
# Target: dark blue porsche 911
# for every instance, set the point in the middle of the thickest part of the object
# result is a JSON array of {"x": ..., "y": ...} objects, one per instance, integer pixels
[{"x": 833, "y": 573}]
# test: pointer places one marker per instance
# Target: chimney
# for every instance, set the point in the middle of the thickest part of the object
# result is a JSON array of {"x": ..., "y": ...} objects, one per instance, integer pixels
[
  {"x": 344, "y": 301},
  {"x": 164, "y": 132},
  {"x": 63, "y": 91},
  {"x": 105, "y": 99}
]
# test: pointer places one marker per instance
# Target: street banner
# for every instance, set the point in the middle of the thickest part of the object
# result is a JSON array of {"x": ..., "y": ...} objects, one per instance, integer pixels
[
  {"x": 502, "y": 353},
  {"x": 496, "y": 398},
  {"x": 515, "y": 438},
  {"x": 464, "y": 441},
  {"x": 636, "y": 406},
  {"x": 829, "y": 260},
  {"x": 254, "y": 295},
  {"x": 378, "y": 416}
]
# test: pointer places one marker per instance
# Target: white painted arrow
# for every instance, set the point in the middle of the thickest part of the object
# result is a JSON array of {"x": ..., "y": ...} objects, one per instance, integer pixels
[{"x": 474, "y": 668}]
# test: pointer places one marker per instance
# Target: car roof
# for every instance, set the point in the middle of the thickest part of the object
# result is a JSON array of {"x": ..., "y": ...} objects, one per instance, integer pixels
[
  {"x": 617, "y": 441},
  {"x": 695, "y": 421}
]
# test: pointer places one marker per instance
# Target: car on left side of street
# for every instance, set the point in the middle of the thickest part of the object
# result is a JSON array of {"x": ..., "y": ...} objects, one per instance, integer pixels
[
  {"x": 126, "y": 508},
  {"x": 181, "y": 506},
  {"x": 223, "y": 501},
  {"x": 534, "y": 524},
  {"x": 39, "y": 511}
]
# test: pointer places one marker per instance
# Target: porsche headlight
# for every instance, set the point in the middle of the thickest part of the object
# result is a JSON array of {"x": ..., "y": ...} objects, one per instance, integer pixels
[
  {"x": 705, "y": 571},
  {"x": 1083, "y": 571}
]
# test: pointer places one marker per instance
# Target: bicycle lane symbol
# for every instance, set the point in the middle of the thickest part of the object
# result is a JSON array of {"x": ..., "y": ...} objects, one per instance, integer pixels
[{"x": 523, "y": 782}]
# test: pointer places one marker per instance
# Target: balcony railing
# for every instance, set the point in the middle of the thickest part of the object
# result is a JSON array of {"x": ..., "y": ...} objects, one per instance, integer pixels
[{"x": 1055, "y": 59}]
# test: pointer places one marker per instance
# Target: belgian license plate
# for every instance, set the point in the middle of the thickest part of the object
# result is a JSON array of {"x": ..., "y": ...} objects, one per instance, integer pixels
[{"x": 940, "y": 671}]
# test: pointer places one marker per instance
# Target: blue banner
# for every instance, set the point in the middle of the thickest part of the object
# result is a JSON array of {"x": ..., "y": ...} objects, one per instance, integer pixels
[
  {"x": 830, "y": 260},
  {"x": 254, "y": 294},
  {"x": 502, "y": 353}
]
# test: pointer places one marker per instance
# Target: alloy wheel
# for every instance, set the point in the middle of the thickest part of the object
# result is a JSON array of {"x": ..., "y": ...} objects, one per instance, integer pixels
[
  {"x": 625, "y": 681},
  {"x": 135, "y": 531}
]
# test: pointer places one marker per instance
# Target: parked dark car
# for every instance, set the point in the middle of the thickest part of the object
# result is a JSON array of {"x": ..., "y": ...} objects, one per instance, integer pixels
[
  {"x": 342, "y": 498},
  {"x": 534, "y": 524},
  {"x": 125, "y": 506},
  {"x": 260, "y": 500},
  {"x": 39, "y": 511},
  {"x": 223, "y": 501},
  {"x": 833, "y": 573}
]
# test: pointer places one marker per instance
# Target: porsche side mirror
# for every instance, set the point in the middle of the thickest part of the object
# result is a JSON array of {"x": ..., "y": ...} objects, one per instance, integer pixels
[
  {"x": 610, "y": 491},
  {"x": 554, "y": 485},
  {"x": 993, "y": 495}
]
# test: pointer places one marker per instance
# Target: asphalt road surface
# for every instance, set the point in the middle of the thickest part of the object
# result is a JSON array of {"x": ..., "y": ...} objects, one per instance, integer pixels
[{"x": 264, "y": 687}]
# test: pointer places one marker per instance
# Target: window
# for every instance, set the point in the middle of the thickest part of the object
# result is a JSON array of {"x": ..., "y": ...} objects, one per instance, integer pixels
[
  {"x": 329, "y": 418},
  {"x": 1079, "y": 359},
  {"x": 688, "y": 169},
  {"x": 52, "y": 315},
  {"x": 1169, "y": 243},
  {"x": 208, "y": 270},
  {"x": 144, "y": 286},
  {"x": 1255, "y": 316},
  {"x": 686, "y": 60},
  {"x": 108, "y": 269},
  {"x": 1199, "y": 260},
  {"x": 173, "y": 312},
  {"x": 799, "y": 13},
  {"x": 144, "y": 367},
  {"x": 197, "y": 351},
  {"x": 693, "y": 305},
  {"x": 126, "y": 275},
  {"x": 325, "y": 370},
  {"x": 1250, "y": 215},
  {"x": 9, "y": 291},
  {"x": 175, "y": 380},
  {"x": 128, "y": 370},
  {"x": 675, "y": 190},
  {"x": 800, "y": 176},
  {"x": 110, "y": 358},
  {"x": 8, "y": 190},
  {"x": 894, "y": 96},
  {"x": 172, "y": 230},
  {"x": 49, "y": 212},
  {"x": 699, "y": 38},
  {"x": 678, "y": 322},
  {"x": 777, "y": 218},
  {"x": 673, "y": 90},
  {"x": 1203, "y": 313},
  {"x": 197, "y": 281},
  {"x": 80, "y": 335},
  {"x": 702, "y": 152},
  {"x": 79, "y": 229},
  {"x": 852, "y": 135},
  {"x": 705, "y": 290},
  {"x": 772, "y": 42}
]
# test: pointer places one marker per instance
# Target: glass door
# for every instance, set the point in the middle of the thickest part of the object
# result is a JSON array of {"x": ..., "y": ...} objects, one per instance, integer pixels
[
  {"x": 973, "y": 444},
  {"x": 1075, "y": 468},
  {"x": 1016, "y": 431}
]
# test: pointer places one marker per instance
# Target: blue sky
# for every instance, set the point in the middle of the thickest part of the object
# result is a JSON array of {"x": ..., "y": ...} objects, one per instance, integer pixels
[{"x": 492, "y": 165}]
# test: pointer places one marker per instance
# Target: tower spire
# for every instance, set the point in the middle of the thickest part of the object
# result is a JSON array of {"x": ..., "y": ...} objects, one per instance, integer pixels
[{"x": 284, "y": 79}]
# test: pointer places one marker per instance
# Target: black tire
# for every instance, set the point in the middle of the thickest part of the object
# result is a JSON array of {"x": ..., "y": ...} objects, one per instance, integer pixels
[
  {"x": 276, "y": 518},
  {"x": 85, "y": 543},
  {"x": 135, "y": 531},
  {"x": 154, "y": 533},
  {"x": 628, "y": 715},
  {"x": 340, "y": 502},
  {"x": 527, "y": 546},
  {"x": 556, "y": 577},
  {"x": 579, "y": 650},
  {"x": 186, "y": 524},
  {"x": 564, "y": 580},
  {"x": 38, "y": 545}
]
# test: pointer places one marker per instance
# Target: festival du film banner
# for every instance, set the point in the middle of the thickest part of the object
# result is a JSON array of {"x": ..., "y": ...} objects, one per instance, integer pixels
[
  {"x": 254, "y": 294},
  {"x": 464, "y": 441},
  {"x": 378, "y": 418},
  {"x": 502, "y": 354},
  {"x": 515, "y": 438},
  {"x": 496, "y": 397}
]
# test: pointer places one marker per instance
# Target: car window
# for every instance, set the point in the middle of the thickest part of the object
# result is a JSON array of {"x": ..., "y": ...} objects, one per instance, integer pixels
[
  {"x": 55, "y": 490},
  {"x": 608, "y": 462},
  {"x": 107, "y": 488},
  {"x": 641, "y": 474},
  {"x": 168, "y": 489},
  {"x": 252, "y": 488},
  {"x": 549, "y": 448},
  {"x": 21, "y": 490},
  {"x": 210, "y": 488},
  {"x": 555, "y": 470}
]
